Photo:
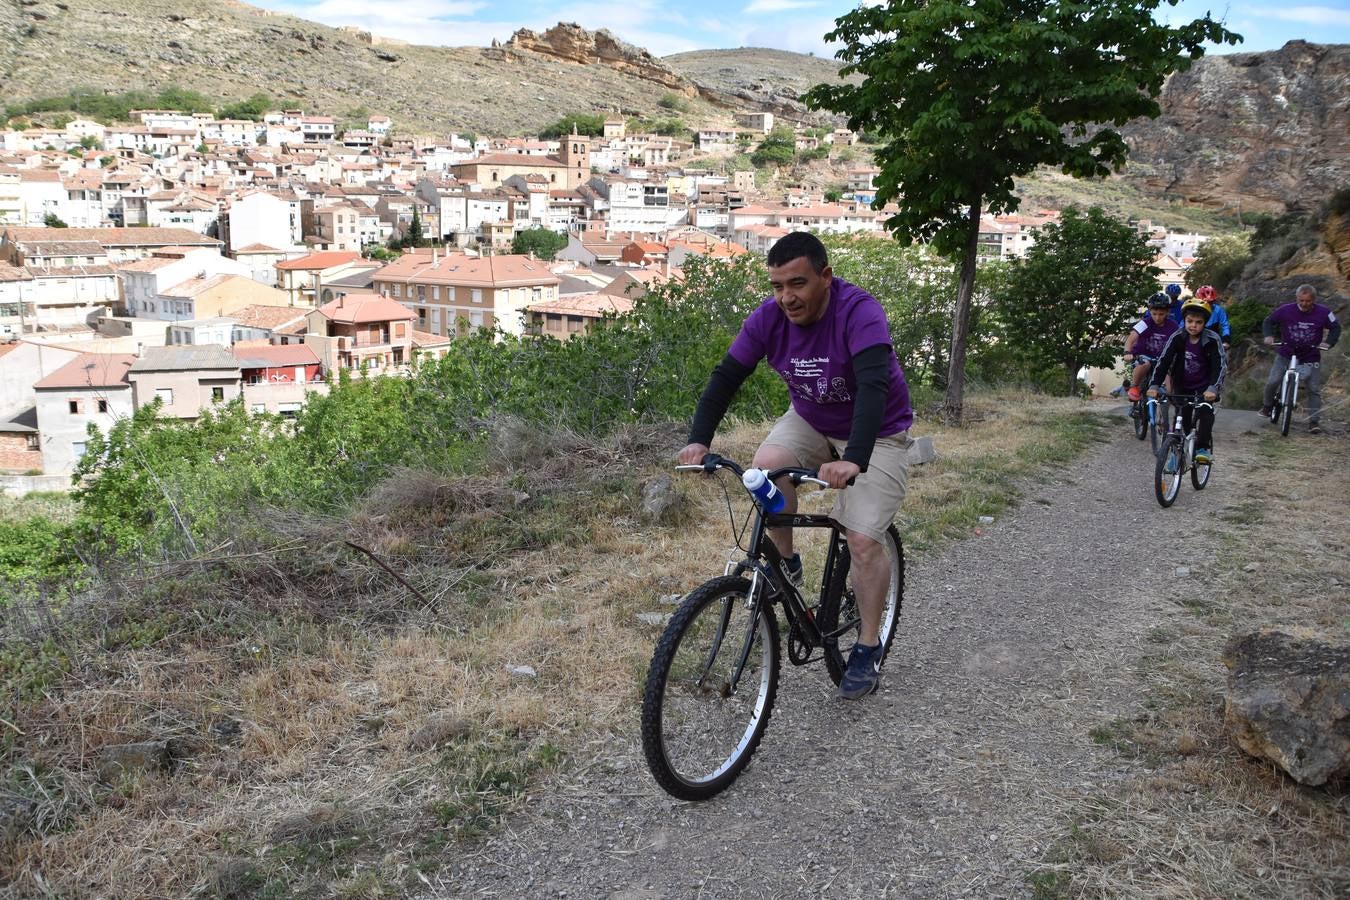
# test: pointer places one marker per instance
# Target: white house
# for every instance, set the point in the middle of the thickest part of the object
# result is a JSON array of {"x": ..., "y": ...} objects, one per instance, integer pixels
[{"x": 91, "y": 389}]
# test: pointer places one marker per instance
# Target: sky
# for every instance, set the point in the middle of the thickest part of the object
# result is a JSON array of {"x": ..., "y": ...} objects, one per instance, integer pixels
[{"x": 665, "y": 26}]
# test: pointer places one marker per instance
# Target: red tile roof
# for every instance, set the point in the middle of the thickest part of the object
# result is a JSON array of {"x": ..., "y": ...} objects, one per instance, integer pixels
[
  {"x": 324, "y": 259},
  {"x": 90, "y": 370},
  {"x": 357, "y": 309}
]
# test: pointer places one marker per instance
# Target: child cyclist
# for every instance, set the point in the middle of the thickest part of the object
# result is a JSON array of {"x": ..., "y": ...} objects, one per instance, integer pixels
[
  {"x": 1197, "y": 364},
  {"x": 1145, "y": 342}
]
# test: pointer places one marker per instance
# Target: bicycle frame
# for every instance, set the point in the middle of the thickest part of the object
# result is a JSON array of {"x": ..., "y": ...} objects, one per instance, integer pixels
[{"x": 766, "y": 565}]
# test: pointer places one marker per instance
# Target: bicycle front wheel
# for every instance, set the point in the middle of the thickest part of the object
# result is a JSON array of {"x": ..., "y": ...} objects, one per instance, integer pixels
[
  {"x": 1139, "y": 412},
  {"x": 1167, "y": 472},
  {"x": 710, "y": 689},
  {"x": 839, "y": 621},
  {"x": 1287, "y": 405},
  {"x": 1157, "y": 430},
  {"x": 1199, "y": 476}
]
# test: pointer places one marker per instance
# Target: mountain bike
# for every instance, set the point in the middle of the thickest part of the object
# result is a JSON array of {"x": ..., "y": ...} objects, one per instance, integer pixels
[
  {"x": 714, "y": 673},
  {"x": 1282, "y": 411},
  {"x": 1177, "y": 455}
]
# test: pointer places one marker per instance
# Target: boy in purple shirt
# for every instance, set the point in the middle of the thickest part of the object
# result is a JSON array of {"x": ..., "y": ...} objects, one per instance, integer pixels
[
  {"x": 1145, "y": 342},
  {"x": 829, "y": 341},
  {"x": 1301, "y": 325},
  {"x": 1194, "y": 359}
]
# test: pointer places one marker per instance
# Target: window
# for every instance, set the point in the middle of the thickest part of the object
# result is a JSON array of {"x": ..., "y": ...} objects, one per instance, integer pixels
[
  {"x": 476, "y": 295},
  {"x": 34, "y": 443},
  {"x": 435, "y": 292},
  {"x": 258, "y": 407},
  {"x": 538, "y": 294},
  {"x": 164, "y": 395},
  {"x": 398, "y": 290},
  {"x": 103, "y": 406},
  {"x": 217, "y": 394},
  {"x": 77, "y": 448},
  {"x": 76, "y": 407}
]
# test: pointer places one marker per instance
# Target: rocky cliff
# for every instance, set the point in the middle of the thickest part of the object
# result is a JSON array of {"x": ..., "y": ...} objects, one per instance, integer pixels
[
  {"x": 1250, "y": 131},
  {"x": 571, "y": 42}
]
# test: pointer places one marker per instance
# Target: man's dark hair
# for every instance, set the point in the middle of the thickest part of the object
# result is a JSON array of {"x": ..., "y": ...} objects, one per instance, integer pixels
[{"x": 797, "y": 244}]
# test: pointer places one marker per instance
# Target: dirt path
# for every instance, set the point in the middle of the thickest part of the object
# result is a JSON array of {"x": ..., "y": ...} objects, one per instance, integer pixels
[{"x": 953, "y": 779}]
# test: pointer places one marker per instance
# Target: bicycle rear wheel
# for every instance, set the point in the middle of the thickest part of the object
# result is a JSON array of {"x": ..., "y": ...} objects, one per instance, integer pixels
[
  {"x": 1199, "y": 477},
  {"x": 1167, "y": 472},
  {"x": 700, "y": 722},
  {"x": 838, "y": 619}
]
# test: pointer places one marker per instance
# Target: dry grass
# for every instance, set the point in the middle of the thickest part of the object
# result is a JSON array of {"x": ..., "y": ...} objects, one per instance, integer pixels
[
  {"x": 334, "y": 736},
  {"x": 1205, "y": 820}
]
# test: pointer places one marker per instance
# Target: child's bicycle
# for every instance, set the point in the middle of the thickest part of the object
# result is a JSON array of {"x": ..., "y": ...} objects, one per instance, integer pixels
[
  {"x": 1282, "y": 411},
  {"x": 714, "y": 674},
  {"x": 1176, "y": 456}
]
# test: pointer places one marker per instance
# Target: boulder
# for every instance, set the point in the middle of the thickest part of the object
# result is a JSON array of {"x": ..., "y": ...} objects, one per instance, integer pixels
[
  {"x": 1289, "y": 701},
  {"x": 661, "y": 502},
  {"x": 133, "y": 759}
]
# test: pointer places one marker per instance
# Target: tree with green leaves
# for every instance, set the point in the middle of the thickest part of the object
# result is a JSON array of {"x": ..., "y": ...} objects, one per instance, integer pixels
[
  {"x": 970, "y": 94},
  {"x": 414, "y": 236},
  {"x": 52, "y": 220},
  {"x": 1071, "y": 299},
  {"x": 584, "y": 123},
  {"x": 777, "y": 149},
  {"x": 542, "y": 242},
  {"x": 1219, "y": 262}
]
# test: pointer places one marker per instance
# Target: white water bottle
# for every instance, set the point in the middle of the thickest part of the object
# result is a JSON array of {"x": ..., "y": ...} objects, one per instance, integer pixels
[{"x": 766, "y": 492}]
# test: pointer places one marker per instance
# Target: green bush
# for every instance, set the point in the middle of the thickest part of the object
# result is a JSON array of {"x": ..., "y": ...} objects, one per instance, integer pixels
[{"x": 1244, "y": 318}]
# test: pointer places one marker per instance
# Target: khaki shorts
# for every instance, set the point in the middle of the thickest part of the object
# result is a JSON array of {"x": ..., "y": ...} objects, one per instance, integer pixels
[{"x": 869, "y": 505}]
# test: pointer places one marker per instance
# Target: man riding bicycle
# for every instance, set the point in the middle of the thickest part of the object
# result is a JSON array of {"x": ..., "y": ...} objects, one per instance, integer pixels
[
  {"x": 850, "y": 415},
  {"x": 1195, "y": 360},
  {"x": 1301, "y": 325},
  {"x": 1146, "y": 340}
]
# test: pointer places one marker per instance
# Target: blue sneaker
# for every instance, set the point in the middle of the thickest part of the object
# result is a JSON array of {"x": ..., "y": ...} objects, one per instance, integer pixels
[
  {"x": 1204, "y": 457},
  {"x": 860, "y": 678}
]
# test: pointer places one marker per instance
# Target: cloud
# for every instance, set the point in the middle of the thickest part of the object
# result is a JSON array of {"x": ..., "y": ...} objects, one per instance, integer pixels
[
  {"x": 803, "y": 37},
  {"x": 1308, "y": 15},
  {"x": 767, "y": 6}
]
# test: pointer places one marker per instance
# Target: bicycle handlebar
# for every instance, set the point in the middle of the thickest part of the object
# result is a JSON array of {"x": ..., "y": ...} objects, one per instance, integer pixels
[{"x": 713, "y": 461}]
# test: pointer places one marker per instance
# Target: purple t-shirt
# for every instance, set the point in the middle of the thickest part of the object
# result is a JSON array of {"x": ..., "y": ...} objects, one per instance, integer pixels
[
  {"x": 1152, "y": 338},
  {"x": 1301, "y": 332},
  {"x": 816, "y": 360},
  {"x": 1195, "y": 376}
]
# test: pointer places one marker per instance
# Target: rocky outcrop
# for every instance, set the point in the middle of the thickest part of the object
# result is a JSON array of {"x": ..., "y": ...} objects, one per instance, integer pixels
[
  {"x": 1289, "y": 701},
  {"x": 569, "y": 41},
  {"x": 1250, "y": 131}
]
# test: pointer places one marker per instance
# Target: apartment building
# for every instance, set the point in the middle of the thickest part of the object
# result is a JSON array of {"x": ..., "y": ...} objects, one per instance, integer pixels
[{"x": 448, "y": 293}]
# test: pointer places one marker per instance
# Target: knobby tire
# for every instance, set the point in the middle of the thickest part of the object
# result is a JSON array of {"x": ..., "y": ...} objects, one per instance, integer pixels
[
  {"x": 1165, "y": 485},
  {"x": 697, "y": 732}
]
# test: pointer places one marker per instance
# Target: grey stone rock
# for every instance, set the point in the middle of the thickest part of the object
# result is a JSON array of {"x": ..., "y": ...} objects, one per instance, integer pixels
[
  {"x": 921, "y": 451},
  {"x": 661, "y": 502},
  {"x": 437, "y": 731},
  {"x": 653, "y": 618},
  {"x": 1288, "y": 701},
  {"x": 523, "y": 671},
  {"x": 143, "y": 757}
]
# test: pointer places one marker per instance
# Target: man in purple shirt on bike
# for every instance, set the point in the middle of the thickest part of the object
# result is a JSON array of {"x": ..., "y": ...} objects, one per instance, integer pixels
[
  {"x": 1301, "y": 325},
  {"x": 850, "y": 416}
]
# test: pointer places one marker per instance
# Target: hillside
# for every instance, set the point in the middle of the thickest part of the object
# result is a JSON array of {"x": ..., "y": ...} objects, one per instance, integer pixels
[
  {"x": 1246, "y": 131},
  {"x": 231, "y": 50},
  {"x": 758, "y": 76}
]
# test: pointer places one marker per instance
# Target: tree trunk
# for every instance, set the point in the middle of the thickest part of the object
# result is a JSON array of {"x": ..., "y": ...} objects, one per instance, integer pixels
[
  {"x": 1073, "y": 378},
  {"x": 956, "y": 366}
]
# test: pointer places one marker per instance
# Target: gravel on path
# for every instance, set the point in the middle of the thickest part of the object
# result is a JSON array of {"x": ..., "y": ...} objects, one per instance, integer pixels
[{"x": 957, "y": 775}]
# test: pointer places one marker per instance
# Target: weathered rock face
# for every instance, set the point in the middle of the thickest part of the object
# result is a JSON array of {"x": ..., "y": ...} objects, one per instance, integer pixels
[
  {"x": 1259, "y": 131},
  {"x": 1289, "y": 701},
  {"x": 569, "y": 41},
  {"x": 1326, "y": 266}
]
